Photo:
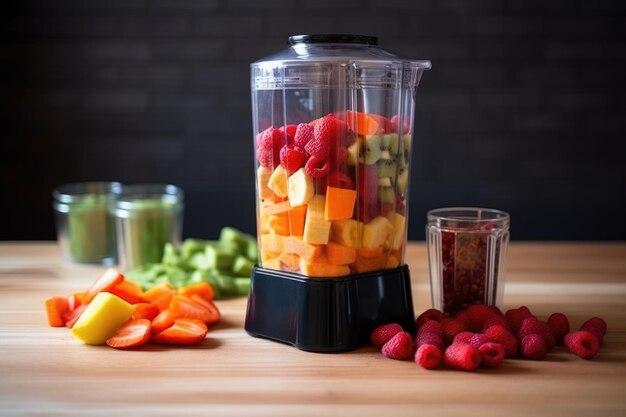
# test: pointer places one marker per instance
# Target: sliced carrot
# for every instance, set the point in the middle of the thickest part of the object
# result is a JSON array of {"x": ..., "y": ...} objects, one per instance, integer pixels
[
  {"x": 129, "y": 292},
  {"x": 362, "y": 123},
  {"x": 185, "y": 307},
  {"x": 210, "y": 306},
  {"x": 164, "y": 320},
  {"x": 339, "y": 254},
  {"x": 75, "y": 299},
  {"x": 203, "y": 289},
  {"x": 109, "y": 279},
  {"x": 56, "y": 307},
  {"x": 339, "y": 203},
  {"x": 71, "y": 317},
  {"x": 158, "y": 291},
  {"x": 146, "y": 311},
  {"x": 184, "y": 331},
  {"x": 131, "y": 334}
]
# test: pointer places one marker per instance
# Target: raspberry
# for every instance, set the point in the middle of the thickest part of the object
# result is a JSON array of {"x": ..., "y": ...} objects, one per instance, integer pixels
[
  {"x": 595, "y": 325},
  {"x": 430, "y": 333},
  {"x": 478, "y": 339},
  {"x": 290, "y": 130},
  {"x": 451, "y": 327},
  {"x": 317, "y": 167},
  {"x": 428, "y": 356},
  {"x": 430, "y": 326},
  {"x": 463, "y": 337},
  {"x": 500, "y": 334},
  {"x": 534, "y": 325},
  {"x": 582, "y": 343},
  {"x": 340, "y": 180},
  {"x": 292, "y": 158},
  {"x": 491, "y": 354},
  {"x": 383, "y": 333},
  {"x": 430, "y": 314},
  {"x": 559, "y": 325},
  {"x": 533, "y": 347},
  {"x": 462, "y": 317},
  {"x": 430, "y": 339},
  {"x": 330, "y": 130},
  {"x": 496, "y": 320},
  {"x": 269, "y": 143},
  {"x": 462, "y": 356},
  {"x": 515, "y": 316},
  {"x": 477, "y": 315},
  {"x": 399, "y": 347},
  {"x": 304, "y": 133}
]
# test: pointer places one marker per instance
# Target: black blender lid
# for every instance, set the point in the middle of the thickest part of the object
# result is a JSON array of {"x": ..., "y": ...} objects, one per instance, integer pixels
[{"x": 332, "y": 38}]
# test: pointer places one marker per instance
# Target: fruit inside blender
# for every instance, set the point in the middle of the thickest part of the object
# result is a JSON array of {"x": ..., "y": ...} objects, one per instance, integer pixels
[{"x": 331, "y": 194}]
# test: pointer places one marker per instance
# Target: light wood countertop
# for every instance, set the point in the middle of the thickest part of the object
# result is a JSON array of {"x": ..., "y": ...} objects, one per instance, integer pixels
[{"x": 45, "y": 372}]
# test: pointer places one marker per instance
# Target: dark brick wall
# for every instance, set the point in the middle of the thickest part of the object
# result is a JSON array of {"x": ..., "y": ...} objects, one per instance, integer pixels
[{"x": 523, "y": 110}]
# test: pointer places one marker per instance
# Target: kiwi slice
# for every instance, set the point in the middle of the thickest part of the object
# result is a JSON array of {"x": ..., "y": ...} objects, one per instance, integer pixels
[
  {"x": 391, "y": 143},
  {"x": 386, "y": 194},
  {"x": 371, "y": 149},
  {"x": 402, "y": 180},
  {"x": 387, "y": 167}
]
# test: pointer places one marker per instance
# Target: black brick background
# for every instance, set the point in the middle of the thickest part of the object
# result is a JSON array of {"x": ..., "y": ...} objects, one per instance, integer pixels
[{"x": 524, "y": 109}]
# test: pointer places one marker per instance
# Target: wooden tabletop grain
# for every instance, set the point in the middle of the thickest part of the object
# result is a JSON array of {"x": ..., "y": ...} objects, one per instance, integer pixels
[{"x": 45, "y": 372}]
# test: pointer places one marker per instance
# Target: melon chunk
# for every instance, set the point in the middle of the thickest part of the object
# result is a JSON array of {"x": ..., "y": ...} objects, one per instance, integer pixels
[{"x": 101, "y": 319}]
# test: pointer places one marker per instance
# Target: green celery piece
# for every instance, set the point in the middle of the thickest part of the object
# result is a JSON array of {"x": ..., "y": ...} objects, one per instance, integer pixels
[
  {"x": 242, "y": 266},
  {"x": 200, "y": 261},
  {"x": 145, "y": 274},
  {"x": 252, "y": 250},
  {"x": 232, "y": 235},
  {"x": 226, "y": 285},
  {"x": 171, "y": 256},
  {"x": 191, "y": 247},
  {"x": 220, "y": 257},
  {"x": 243, "y": 285}
]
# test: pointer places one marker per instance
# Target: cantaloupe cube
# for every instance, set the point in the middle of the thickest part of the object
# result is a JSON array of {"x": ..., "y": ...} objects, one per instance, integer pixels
[
  {"x": 307, "y": 251},
  {"x": 289, "y": 261},
  {"x": 321, "y": 268},
  {"x": 272, "y": 244},
  {"x": 101, "y": 319}
]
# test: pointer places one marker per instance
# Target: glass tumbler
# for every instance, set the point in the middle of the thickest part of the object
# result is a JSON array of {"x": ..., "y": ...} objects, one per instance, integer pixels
[
  {"x": 85, "y": 225},
  {"x": 147, "y": 217},
  {"x": 467, "y": 249}
]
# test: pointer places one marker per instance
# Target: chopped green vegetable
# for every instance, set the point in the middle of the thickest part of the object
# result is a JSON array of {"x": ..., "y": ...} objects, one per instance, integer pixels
[{"x": 226, "y": 264}]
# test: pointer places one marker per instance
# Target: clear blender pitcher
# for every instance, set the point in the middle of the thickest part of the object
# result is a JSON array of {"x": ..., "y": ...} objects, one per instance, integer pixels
[{"x": 333, "y": 128}]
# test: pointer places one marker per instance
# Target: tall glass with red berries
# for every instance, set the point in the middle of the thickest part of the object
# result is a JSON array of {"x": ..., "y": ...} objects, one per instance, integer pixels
[{"x": 333, "y": 129}]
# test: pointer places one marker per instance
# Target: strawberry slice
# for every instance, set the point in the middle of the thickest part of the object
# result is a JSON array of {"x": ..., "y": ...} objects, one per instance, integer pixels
[
  {"x": 183, "y": 306},
  {"x": 182, "y": 332},
  {"x": 163, "y": 321},
  {"x": 133, "y": 333}
]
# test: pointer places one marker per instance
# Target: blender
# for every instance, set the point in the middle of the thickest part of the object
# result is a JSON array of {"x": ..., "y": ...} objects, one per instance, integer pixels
[{"x": 333, "y": 129}]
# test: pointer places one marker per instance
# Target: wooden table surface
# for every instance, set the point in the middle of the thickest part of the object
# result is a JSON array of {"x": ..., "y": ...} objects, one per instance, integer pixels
[{"x": 45, "y": 372}]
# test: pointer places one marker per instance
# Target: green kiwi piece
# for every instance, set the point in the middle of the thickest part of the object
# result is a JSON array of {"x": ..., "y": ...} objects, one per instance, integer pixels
[
  {"x": 386, "y": 194},
  {"x": 372, "y": 149},
  {"x": 402, "y": 180}
]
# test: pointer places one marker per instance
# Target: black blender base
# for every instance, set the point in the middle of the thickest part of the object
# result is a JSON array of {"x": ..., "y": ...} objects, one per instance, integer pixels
[{"x": 327, "y": 314}]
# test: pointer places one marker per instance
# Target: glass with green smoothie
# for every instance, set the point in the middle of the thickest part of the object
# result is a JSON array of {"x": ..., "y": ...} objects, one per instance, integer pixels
[
  {"x": 85, "y": 223},
  {"x": 147, "y": 217}
]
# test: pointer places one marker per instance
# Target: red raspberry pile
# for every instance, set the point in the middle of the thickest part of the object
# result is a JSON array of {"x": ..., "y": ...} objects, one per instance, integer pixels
[{"x": 482, "y": 335}]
